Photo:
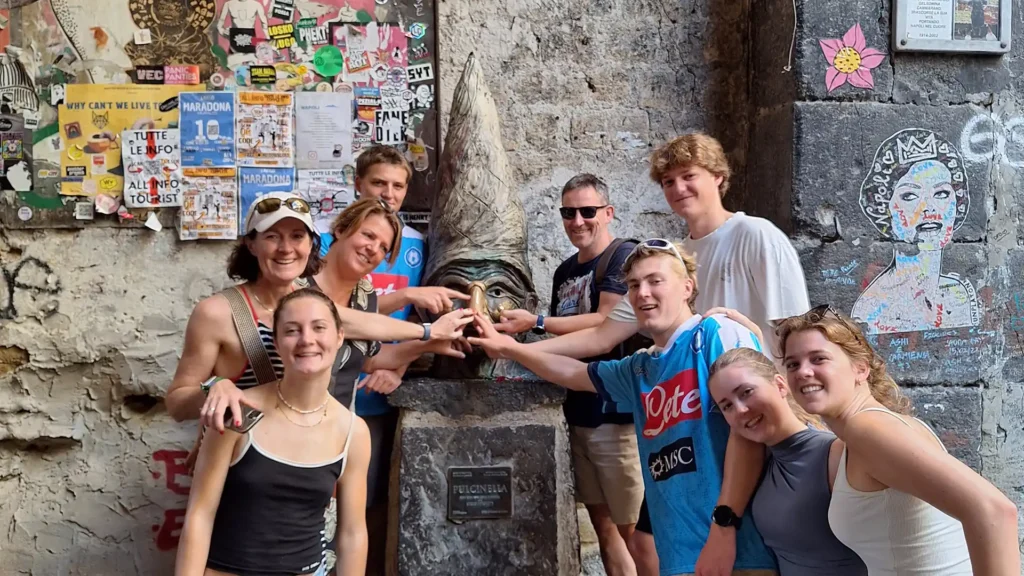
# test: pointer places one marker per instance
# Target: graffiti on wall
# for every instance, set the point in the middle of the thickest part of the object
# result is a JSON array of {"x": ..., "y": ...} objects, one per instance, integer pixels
[
  {"x": 850, "y": 60},
  {"x": 29, "y": 288},
  {"x": 177, "y": 481},
  {"x": 991, "y": 138},
  {"x": 916, "y": 194}
]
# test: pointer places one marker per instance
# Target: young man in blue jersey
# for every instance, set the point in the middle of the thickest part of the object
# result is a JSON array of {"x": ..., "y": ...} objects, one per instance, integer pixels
[
  {"x": 383, "y": 172},
  {"x": 698, "y": 476}
]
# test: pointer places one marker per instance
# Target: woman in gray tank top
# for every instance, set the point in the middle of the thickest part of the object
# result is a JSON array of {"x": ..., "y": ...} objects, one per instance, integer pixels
[{"x": 790, "y": 507}]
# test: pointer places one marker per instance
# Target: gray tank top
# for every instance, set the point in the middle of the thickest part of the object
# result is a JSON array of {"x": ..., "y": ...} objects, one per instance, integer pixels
[{"x": 790, "y": 509}]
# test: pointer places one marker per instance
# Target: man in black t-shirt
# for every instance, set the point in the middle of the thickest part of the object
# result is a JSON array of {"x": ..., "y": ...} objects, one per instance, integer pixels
[{"x": 586, "y": 287}]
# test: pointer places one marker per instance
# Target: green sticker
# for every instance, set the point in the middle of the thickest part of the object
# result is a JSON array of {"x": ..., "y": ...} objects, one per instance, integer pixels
[{"x": 328, "y": 61}]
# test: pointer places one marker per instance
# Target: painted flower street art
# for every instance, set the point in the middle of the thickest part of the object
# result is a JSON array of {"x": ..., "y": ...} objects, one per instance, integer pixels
[
  {"x": 917, "y": 195},
  {"x": 850, "y": 60}
]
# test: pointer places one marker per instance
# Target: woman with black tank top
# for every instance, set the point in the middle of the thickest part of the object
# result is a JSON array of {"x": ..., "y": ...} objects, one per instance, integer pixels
[
  {"x": 258, "y": 498},
  {"x": 790, "y": 506},
  {"x": 280, "y": 245}
]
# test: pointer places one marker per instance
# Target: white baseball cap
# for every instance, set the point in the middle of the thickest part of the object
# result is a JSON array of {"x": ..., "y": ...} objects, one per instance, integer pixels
[{"x": 269, "y": 209}]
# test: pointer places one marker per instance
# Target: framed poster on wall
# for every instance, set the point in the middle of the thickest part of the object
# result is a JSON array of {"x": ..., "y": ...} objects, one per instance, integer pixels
[{"x": 970, "y": 26}]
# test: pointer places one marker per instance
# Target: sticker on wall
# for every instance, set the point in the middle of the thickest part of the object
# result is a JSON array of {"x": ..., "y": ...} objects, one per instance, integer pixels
[
  {"x": 262, "y": 74},
  {"x": 181, "y": 74},
  {"x": 419, "y": 52},
  {"x": 149, "y": 74},
  {"x": 358, "y": 61},
  {"x": 179, "y": 30},
  {"x": 417, "y": 30},
  {"x": 282, "y": 36},
  {"x": 143, "y": 37},
  {"x": 16, "y": 147},
  {"x": 242, "y": 40},
  {"x": 328, "y": 61},
  {"x": 152, "y": 168},
  {"x": 263, "y": 129},
  {"x": 916, "y": 194},
  {"x": 209, "y": 209},
  {"x": 850, "y": 60},
  {"x": 253, "y": 182},
  {"x": 389, "y": 127},
  {"x": 283, "y": 9},
  {"x": 207, "y": 129},
  {"x": 310, "y": 34},
  {"x": 420, "y": 73}
]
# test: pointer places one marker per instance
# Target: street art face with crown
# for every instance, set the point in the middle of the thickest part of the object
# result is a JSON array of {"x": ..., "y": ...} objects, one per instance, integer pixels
[
  {"x": 916, "y": 191},
  {"x": 916, "y": 194}
]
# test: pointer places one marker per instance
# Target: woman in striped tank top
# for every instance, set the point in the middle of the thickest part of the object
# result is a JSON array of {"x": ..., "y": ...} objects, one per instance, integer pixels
[
  {"x": 900, "y": 501},
  {"x": 280, "y": 246}
]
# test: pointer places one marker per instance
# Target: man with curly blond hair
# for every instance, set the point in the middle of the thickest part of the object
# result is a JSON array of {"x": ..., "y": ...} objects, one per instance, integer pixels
[{"x": 745, "y": 263}]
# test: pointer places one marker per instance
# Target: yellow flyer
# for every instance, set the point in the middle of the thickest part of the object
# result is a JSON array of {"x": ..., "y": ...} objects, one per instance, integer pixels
[{"x": 91, "y": 121}]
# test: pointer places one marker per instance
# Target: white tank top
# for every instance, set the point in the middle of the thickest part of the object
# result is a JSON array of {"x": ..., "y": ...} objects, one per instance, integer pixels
[{"x": 894, "y": 533}]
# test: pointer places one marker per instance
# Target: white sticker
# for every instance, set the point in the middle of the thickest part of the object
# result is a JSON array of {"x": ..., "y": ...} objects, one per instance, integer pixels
[
  {"x": 84, "y": 211},
  {"x": 89, "y": 186},
  {"x": 31, "y": 118},
  {"x": 153, "y": 223},
  {"x": 24, "y": 213},
  {"x": 143, "y": 37},
  {"x": 420, "y": 73},
  {"x": 106, "y": 204}
]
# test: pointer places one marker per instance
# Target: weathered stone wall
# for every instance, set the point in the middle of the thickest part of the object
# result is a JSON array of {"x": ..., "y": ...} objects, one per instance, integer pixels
[
  {"x": 91, "y": 321},
  {"x": 958, "y": 353}
]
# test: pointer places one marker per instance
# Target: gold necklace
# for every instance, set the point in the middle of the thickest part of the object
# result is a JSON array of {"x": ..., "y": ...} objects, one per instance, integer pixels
[
  {"x": 313, "y": 411},
  {"x": 260, "y": 302},
  {"x": 317, "y": 423}
]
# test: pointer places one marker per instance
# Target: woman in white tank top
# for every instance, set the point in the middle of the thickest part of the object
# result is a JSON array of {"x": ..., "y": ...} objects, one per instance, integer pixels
[{"x": 903, "y": 504}]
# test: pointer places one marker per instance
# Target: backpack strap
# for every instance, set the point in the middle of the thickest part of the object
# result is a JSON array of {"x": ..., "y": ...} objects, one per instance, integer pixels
[
  {"x": 248, "y": 333},
  {"x": 606, "y": 258}
]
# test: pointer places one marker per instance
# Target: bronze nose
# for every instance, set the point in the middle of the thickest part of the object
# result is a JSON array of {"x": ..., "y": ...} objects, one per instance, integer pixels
[{"x": 478, "y": 298}]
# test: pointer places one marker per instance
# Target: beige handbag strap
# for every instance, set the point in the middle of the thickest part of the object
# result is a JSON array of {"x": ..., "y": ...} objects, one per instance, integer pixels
[{"x": 249, "y": 334}]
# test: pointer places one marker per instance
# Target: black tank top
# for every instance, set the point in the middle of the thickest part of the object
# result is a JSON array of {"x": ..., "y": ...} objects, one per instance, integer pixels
[{"x": 270, "y": 519}]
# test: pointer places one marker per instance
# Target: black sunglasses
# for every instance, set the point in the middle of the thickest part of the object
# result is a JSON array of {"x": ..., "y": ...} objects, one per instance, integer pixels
[
  {"x": 295, "y": 204},
  {"x": 587, "y": 212}
]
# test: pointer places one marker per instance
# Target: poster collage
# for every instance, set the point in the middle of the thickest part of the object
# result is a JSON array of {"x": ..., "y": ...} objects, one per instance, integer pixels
[{"x": 277, "y": 95}]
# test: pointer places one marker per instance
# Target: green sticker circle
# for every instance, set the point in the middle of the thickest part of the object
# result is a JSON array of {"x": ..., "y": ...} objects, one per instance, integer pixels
[{"x": 328, "y": 61}]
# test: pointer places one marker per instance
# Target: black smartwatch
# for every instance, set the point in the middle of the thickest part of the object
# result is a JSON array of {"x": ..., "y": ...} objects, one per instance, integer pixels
[
  {"x": 539, "y": 327},
  {"x": 725, "y": 517}
]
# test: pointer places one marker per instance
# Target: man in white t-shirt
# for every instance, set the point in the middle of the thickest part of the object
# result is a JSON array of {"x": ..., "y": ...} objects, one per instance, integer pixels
[{"x": 744, "y": 262}]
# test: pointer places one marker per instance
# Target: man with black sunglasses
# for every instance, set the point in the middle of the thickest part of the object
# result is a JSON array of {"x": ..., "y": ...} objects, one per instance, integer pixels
[{"x": 586, "y": 286}]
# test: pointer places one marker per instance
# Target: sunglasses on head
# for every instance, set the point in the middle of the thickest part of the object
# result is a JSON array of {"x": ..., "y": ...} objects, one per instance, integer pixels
[
  {"x": 817, "y": 313},
  {"x": 661, "y": 245},
  {"x": 295, "y": 204},
  {"x": 587, "y": 212}
]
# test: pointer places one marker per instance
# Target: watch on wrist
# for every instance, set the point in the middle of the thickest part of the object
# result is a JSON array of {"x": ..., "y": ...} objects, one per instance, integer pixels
[
  {"x": 725, "y": 517},
  {"x": 426, "y": 332},
  {"x": 205, "y": 386},
  {"x": 538, "y": 328}
]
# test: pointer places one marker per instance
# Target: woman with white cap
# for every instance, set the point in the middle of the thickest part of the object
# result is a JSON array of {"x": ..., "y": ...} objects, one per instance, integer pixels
[{"x": 280, "y": 246}]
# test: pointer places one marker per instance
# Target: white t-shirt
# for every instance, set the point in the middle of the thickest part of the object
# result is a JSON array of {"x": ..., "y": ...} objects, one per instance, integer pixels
[{"x": 749, "y": 265}]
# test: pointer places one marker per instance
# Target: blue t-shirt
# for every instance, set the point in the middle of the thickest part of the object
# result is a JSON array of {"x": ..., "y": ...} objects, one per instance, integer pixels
[
  {"x": 406, "y": 271},
  {"x": 682, "y": 438}
]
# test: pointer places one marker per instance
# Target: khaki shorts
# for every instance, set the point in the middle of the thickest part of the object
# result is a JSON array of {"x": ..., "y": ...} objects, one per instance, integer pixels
[{"x": 606, "y": 463}]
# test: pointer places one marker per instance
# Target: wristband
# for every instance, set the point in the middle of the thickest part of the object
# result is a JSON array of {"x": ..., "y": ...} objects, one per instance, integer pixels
[
  {"x": 426, "y": 332},
  {"x": 205, "y": 386}
]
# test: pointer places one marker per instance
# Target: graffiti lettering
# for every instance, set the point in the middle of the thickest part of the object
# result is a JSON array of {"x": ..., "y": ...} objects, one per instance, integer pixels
[
  {"x": 989, "y": 138},
  {"x": 840, "y": 276},
  {"x": 178, "y": 481},
  {"x": 174, "y": 468},
  {"x": 169, "y": 531},
  {"x": 30, "y": 283}
]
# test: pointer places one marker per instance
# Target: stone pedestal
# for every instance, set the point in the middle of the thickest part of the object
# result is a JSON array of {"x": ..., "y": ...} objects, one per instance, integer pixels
[{"x": 487, "y": 425}]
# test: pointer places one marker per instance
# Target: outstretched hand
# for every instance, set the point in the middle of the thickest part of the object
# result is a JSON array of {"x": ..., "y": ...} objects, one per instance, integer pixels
[
  {"x": 436, "y": 299},
  {"x": 495, "y": 344},
  {"x": 450, "y": 326},
  {"x": 516, "y": 321}
]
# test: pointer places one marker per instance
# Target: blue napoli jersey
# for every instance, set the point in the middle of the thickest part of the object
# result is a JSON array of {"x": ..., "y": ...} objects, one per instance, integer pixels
[
  {"x": 387, "y": 278},
  {"x": 682, "y": 438}
]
